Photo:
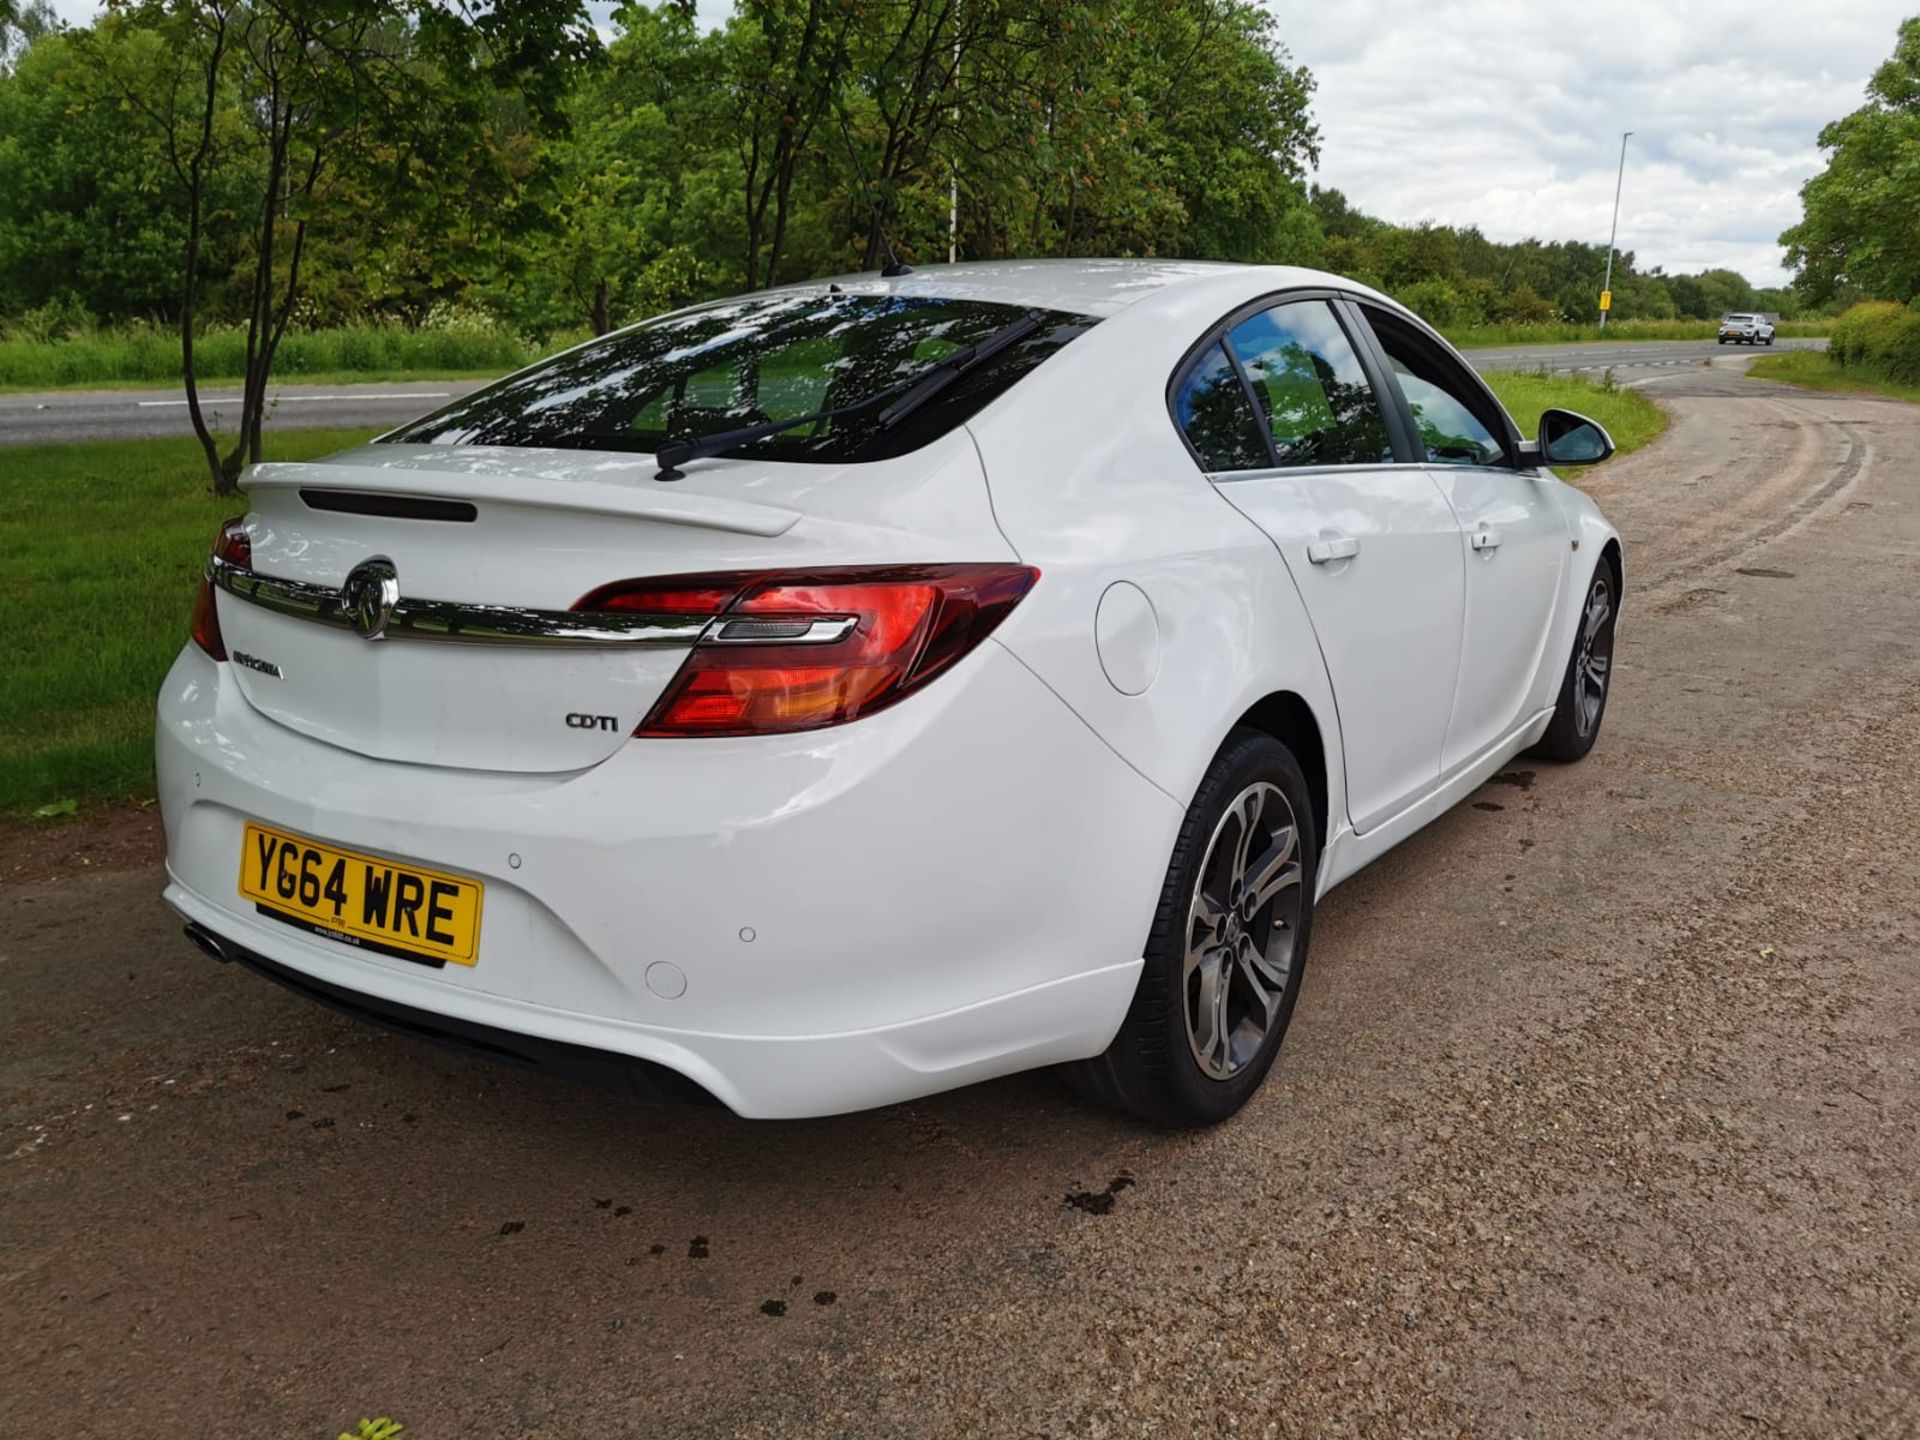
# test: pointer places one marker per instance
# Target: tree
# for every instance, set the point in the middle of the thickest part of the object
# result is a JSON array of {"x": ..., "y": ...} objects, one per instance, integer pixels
[
  {"x": 331, "y": 111},
  {"x": 640, "y": 214},
  {"x": 790, "y": 58},
  {"x": 87, "y": 219},
  {"x": 1858, "y": 228}
]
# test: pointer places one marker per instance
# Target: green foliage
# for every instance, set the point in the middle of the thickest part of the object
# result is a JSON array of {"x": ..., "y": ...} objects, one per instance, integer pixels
[
  {"x": 382, "y": 1429},
  {"x": 1859, "y": 231},
  {"x": 1820, "y": 371},
  {"x": 799, "y": 139},
  {"x": 86, "y": 214},
  {"x": 100, "y": 549},
  {"x": 1879, "y": 338}
]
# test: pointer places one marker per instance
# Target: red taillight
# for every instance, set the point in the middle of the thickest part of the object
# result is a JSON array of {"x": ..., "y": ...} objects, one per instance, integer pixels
[
  {"x": 798, "y": 652},
  {"x": 232, "y": 546}
]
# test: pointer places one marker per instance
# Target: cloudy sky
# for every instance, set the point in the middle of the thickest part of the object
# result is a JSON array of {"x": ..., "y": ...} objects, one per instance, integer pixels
[{"x": 1507, "y": 113}]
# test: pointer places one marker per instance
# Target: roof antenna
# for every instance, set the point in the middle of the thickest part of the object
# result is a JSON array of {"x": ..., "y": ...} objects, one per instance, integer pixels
[{"x": 895, "y": 266}]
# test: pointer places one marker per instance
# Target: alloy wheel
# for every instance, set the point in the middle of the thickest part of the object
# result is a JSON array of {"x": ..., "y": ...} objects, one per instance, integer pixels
[
  {"x": 1241, "y": 926},
  {"x": 1593, "y": 665}
]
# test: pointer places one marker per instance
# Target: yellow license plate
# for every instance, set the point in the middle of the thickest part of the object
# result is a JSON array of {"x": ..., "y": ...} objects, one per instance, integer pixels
[{"x": 380, "y": 905}]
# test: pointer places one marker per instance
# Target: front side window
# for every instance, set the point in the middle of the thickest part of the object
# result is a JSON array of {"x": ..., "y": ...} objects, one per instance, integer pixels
[
  {"x": 1319, "y": 406},
  {"x": 751, "y": 360},
  {"x": 1453, "y": 415}
]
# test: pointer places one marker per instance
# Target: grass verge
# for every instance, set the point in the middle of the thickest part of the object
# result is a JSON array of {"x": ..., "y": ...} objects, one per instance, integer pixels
[
  {"x": 1817, "y": 371},
  {"x": 100, "y": 549},
  {"x": 1630, "y": 417}
]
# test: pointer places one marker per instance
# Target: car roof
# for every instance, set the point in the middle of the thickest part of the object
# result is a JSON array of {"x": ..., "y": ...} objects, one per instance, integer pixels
[{"x": 1083, "y": 287}]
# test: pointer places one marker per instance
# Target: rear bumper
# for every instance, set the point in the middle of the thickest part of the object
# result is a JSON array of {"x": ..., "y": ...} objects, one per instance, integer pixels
[
  {"x": 621, "y": 1074},
  {"x": 954, "y": 889}
]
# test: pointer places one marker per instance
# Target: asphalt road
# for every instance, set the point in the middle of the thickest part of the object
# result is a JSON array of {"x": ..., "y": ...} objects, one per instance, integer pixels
[
  {"x": 1598, "y": 1116},
  {"x": 131, "y": 414}
]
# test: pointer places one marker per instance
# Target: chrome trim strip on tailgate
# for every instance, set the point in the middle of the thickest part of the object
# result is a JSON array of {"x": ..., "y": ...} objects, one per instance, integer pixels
[{"x": 449, "y": 620}]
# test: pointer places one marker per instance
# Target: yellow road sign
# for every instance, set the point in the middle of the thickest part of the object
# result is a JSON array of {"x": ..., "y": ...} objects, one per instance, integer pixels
[{"x": 1606, "y": 299}]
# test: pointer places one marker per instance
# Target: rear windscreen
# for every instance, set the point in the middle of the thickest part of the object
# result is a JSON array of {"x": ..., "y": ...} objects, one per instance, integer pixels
[{"x": 751, "y": 360}]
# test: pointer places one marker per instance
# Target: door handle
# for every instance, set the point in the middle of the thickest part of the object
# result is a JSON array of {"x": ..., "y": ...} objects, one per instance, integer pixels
[
  {"x": 1322, "y": 552},
  {"x": 1484, "y": 539}
]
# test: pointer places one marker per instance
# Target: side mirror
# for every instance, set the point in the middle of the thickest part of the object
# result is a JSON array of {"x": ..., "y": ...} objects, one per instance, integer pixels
[{"x": 1570, "y": 439}]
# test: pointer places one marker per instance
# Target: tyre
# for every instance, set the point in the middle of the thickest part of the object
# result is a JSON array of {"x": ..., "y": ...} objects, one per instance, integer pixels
[
  {"x": 1721, "y": 340},
  {"x": 1227, "y": 949},
  {"x": 1583, "y": 690}
]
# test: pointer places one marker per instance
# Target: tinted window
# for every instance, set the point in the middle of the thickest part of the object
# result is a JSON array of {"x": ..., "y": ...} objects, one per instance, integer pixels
[
  {"x": 1453, "y": 414},
  {"x": 1318, "y": 403},
  {"x": 1218, "y": 418},
  {"x": 745, "y": 361}
]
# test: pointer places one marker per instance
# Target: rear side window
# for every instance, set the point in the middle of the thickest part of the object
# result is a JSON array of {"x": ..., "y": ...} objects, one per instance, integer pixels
[
  {"x": 1319, "y": 405},
  {"x": 750, "y": 360},
  {"x": 1218, "y": 418}
]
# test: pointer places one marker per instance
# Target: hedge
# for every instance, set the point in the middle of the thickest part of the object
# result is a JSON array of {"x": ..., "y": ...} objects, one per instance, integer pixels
[{"x": 1880, "y": 337}]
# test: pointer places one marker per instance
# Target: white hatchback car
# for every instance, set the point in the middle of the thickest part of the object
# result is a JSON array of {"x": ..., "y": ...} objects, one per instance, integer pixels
[{"x": 845, "y": 692}]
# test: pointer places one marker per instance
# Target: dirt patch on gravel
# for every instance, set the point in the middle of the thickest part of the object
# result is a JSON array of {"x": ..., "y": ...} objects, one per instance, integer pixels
[{"x": 118, "y": 836}]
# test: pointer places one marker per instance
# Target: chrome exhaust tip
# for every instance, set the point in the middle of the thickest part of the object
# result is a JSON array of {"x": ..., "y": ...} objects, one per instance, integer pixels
[{"x": 207, "y": 943}]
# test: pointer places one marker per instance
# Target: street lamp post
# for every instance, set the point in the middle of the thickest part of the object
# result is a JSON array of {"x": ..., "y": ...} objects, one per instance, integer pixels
[{"x": 1614, "y": 234}]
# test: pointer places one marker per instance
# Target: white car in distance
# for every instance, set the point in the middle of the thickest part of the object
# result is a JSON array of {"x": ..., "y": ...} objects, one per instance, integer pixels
[
  {"x": 1745, "y": 328},
  {"x": 835, "y": 694}
]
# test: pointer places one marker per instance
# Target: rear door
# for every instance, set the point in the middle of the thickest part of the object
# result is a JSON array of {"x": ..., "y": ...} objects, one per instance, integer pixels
[
  {"x": 1281, "y": 412},
  {"x": 1513, "y": 534}
]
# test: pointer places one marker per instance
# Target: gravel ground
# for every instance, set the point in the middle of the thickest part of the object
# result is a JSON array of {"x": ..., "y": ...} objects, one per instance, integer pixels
[{"x": 1598, "y": 1116}]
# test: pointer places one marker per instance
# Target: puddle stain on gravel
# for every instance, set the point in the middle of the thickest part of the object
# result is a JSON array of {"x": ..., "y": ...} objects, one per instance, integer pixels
[
  {"x": 1764, "y": 572},
  {"x": 697, "y": 1248},
  {"x": 775, "y": 1308},
  {"x": 513, "y": 1227},
  {"x": 1488, "y": 805},
  {"x": 1519, "y": 779},
  {"x": 1099, "y": 1202}
]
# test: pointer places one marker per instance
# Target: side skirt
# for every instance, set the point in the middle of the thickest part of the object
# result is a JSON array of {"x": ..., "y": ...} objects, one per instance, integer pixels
[{"x": 1348, "y": 851}]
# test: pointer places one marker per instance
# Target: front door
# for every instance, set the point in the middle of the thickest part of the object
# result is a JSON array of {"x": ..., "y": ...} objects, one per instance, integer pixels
[{"x": 1513, "y": 534}]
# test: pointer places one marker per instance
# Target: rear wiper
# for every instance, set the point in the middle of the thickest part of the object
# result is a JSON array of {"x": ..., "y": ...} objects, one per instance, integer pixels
[{"x": 907, "y": 396}]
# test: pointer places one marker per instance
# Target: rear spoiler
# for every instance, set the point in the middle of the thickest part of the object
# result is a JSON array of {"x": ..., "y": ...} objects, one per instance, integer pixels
[{"x": 618, "y": 486}]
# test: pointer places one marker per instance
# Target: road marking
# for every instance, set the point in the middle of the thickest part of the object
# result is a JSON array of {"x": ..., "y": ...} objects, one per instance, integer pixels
[{"x": 295, "y": 399}]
